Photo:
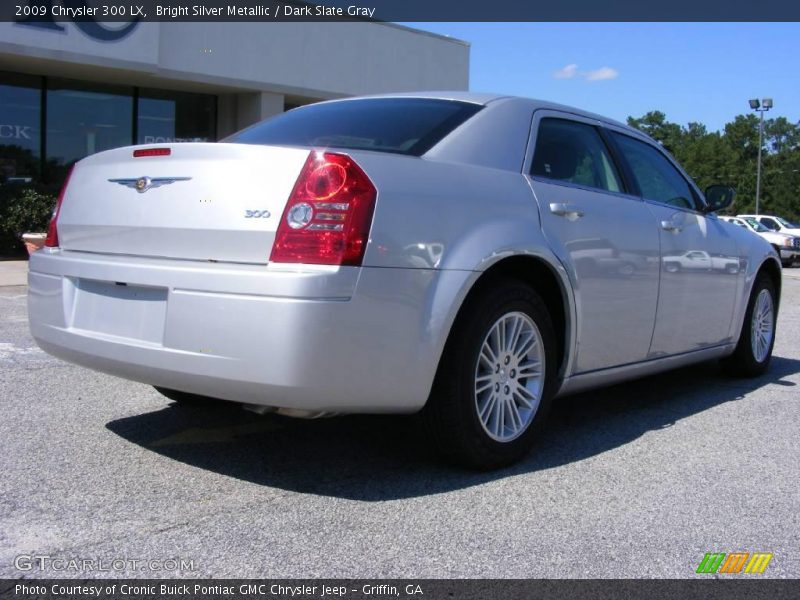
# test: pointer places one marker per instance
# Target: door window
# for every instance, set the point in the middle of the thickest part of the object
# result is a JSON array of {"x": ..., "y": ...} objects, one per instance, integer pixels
[
  {"x": 573, "y": 152},
  {"x": 770, "y": 224},
  {"x": 82, "y": 119},
  {"x": 657, "y": 178},
  {"x": 20, "y": 134},
  {"x": 164, "y": 117}
]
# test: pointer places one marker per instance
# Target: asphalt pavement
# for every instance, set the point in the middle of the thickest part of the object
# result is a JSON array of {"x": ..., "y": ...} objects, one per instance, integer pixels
[{"x": 636, "y": 480}]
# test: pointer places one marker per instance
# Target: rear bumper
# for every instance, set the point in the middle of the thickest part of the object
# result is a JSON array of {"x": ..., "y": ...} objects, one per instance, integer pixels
[{"x": 327, "y": 338}]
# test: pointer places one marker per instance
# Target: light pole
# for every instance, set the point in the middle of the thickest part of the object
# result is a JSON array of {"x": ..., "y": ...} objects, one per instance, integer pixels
[{"x": 761, "y": 107}]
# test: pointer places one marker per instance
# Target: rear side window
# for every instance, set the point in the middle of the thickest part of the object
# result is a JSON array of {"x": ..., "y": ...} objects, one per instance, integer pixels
[
  {"x": 658, "y": 180},
  {"x": 398, "y": 125},
  {"x": 575, "y": 153}
]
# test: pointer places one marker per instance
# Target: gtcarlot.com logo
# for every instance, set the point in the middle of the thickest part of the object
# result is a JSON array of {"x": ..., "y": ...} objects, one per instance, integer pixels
[
  {"x": 735, "y": 562},
  {"x": 43, "y": 562}
]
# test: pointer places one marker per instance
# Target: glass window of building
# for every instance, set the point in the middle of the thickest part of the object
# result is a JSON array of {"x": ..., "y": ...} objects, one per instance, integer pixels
[
  {"x": 166, "y": 117},
  {"x": 84, "y": 118},
  {"x": 20, "y": 127}
]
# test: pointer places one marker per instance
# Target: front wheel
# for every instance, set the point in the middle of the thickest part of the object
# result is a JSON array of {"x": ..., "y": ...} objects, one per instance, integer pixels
[
  {"x": 496, "y": 379},
  {"x": 754, "y": 350}
]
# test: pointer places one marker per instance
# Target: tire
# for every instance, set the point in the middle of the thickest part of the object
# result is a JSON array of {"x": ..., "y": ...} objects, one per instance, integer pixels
[
  {"x": 451, "y": 416},
  {"x": 185, "y": 398},
  {"x": 749, "y": 359}
]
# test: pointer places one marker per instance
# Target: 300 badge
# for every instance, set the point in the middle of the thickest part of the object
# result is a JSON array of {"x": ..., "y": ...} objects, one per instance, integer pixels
[{"x": 256, "y": 214}]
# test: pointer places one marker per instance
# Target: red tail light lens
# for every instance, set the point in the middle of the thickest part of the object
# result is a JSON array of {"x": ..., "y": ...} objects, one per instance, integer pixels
[
  {"x": 152, "y": 152},
  {"x": 328, "y": 215},
  {"x": 51, "y": 241}
]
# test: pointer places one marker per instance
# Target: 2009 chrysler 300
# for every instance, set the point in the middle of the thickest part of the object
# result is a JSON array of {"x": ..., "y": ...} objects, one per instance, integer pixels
[{"x": 471, "y": 256}]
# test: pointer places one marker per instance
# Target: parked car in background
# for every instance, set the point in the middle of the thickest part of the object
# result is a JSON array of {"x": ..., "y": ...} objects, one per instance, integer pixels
[
  {"x": 787, "y": 246},
  {"x": 774, "y": 223},
  {"x": 464, "y": 255},
  {"x": 700, "y": 260}
]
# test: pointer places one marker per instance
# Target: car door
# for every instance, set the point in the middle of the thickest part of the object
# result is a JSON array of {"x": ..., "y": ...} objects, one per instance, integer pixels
[
  {"x": 605, "y": 237},
  {"x": 696, "y": 297}
]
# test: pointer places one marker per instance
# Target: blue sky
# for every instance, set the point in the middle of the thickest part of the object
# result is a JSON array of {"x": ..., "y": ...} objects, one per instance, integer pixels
[{"x": 702, "y": 72}]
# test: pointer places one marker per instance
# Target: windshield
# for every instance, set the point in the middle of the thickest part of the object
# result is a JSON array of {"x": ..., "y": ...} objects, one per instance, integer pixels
[
  {"x": 398, "y": 125},
  {"x": 786, "y": 223},
  {"x": 755, "y": 225}
]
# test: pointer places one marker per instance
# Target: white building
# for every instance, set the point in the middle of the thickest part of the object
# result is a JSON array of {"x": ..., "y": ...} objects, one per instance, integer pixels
[{"x": 72, "y": 89}]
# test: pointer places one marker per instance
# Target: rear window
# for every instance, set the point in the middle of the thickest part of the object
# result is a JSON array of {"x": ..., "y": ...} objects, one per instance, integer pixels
[{"x": 397, "y": 125}]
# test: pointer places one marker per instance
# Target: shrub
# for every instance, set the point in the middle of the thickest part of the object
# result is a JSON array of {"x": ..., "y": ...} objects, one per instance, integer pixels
[{"x": 23, "y": 209}]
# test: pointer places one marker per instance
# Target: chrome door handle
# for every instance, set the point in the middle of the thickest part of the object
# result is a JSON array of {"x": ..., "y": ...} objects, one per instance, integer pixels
[
  {"x": 565, "y": 210},
  {"x": 670, "y": 226}
]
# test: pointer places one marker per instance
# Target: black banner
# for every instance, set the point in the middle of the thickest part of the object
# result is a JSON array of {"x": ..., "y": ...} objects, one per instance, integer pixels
[
  {"x": 32, "y": 11},
  {"x": 430, "y": 589}
]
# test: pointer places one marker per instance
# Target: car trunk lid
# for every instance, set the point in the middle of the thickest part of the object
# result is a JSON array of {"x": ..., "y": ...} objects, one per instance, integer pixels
[{"x": 200, "y": 201}]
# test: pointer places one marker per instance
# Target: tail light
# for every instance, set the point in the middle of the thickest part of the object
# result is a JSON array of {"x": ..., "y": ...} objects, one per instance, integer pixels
[
  {"x": 51, "y": 241},
  {"x": 328, "y": 216}
]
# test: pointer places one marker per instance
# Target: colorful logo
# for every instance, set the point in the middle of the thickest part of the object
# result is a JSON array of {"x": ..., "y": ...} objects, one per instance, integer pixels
[{"x": 719, "y": 562}]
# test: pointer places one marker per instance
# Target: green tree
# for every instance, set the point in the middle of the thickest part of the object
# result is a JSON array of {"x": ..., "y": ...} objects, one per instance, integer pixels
[
  {"x": 730, "y": 156},
  {"x": 655, "y": 125}
]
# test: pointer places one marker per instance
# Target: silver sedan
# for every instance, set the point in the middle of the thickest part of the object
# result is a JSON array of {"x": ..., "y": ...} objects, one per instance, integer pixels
[{"x": 470, "y": 257}]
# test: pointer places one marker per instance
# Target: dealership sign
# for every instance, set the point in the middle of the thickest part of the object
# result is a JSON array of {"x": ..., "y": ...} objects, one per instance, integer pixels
[
  {"x": 15, "y": 132},
  {"x": 48, "y": 15}
]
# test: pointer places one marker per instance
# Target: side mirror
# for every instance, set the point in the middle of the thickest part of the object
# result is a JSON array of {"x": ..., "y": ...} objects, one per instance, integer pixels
[{"x": 719, "y": 197}]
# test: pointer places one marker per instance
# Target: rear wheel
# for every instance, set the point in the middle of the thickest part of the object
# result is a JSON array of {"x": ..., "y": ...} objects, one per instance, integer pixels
[
  {"x": 754, "y": 350},
  {"x": 496, "y": 379},
  {"x": 185, "y": 398}
]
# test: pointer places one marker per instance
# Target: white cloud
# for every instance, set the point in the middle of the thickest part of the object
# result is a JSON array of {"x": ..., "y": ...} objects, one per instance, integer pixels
[
  {"x": 601, "y": 74},
  {"x": 567, "y": 72},
  {"x": 571, "y": 71}
]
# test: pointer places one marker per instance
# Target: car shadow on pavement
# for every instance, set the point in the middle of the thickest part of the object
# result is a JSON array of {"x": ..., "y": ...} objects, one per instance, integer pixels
[{"x": 377, "y": 458}]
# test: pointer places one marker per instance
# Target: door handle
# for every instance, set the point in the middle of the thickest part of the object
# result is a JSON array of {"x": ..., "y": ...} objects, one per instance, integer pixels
[
  {"x": 565, "y": 210},
  {"x": 670, "y": 226}
]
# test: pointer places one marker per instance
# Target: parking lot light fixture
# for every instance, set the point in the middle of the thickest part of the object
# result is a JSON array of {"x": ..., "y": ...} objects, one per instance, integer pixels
[{"x": 760, "y": 106}]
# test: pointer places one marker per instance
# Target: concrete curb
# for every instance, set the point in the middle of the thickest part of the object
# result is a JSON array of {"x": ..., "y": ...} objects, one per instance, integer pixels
[{"x": 13, "y": 272}]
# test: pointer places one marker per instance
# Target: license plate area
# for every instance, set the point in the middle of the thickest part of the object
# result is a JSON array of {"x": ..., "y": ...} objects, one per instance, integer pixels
[{"x": 120, "y": 310}]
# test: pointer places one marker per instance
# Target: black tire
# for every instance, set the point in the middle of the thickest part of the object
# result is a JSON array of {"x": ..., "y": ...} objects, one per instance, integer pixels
[
  {"x": 187, "y": 399},
  {"x": 451, "y": 414},
  {"x": 743, "y": 362}
]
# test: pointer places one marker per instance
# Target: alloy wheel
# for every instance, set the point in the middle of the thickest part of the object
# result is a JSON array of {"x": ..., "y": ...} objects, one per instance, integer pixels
[
  {"x": 509, "y": 376},
  {"x": 762, "y": 326}
]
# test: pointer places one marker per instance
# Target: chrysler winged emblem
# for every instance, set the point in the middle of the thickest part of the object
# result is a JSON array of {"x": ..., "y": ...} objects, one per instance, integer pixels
[{"x": 144, "y": 183}]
